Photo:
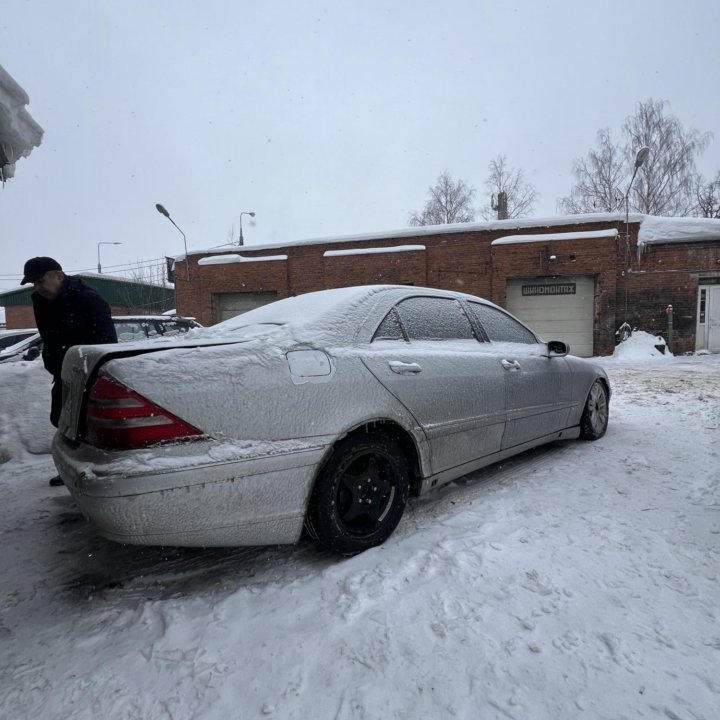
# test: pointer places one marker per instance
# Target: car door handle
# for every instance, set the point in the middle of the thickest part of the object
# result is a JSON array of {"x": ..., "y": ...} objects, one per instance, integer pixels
[
  {"x": 403, "y": 368},
  {"x": 511, "y": 365}
]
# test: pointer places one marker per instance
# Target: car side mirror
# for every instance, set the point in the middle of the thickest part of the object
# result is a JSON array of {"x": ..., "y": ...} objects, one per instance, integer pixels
[
  {"x": 31, "y": 353},
  {"x": 557, "y": 348}
]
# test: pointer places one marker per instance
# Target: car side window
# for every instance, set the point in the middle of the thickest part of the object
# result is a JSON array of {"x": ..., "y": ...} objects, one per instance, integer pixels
[
  {"x": 431, "y": 318},
  {"x": 500, "y": 327},
  {"x": 128, "y": 331},
  {"x": 389, "y": 328}
]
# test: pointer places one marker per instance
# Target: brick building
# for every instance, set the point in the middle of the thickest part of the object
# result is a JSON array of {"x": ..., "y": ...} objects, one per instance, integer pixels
[{"x": 574, "y": 278}]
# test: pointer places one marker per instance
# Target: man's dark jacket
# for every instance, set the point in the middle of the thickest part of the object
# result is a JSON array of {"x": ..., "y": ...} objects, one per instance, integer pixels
[{"x": 78, "y": 316}]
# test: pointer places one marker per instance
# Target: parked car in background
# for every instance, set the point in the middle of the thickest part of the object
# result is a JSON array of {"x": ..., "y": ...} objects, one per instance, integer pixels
[
  {"x": 128, "y": 328},
  {"x": 11, "y": 337},
  {"x": 322, "y": 411},
  {"x": 141, "y": 327},
  {"x": 26, "y": 349}
]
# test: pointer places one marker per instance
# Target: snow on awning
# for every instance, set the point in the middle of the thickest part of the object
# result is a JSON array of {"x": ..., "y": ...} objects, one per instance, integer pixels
[
  {"x": 19, "y": 133},
  {"x": 231, "y": 258},
  {"x": 554, "y": 237},
  {"x": 664, "y": 230},
  {"x": 373, "y": 251}
]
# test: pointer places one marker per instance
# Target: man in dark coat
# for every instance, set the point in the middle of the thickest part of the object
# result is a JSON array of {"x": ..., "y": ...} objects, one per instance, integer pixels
[{"x": 67, "y": 312}]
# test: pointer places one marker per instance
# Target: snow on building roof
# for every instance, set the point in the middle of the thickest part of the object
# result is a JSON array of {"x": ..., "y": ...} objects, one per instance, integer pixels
[
  {"x": 230, "y": 258},
  {"x": 554, "y": 237},
  {"x": 434, "y": 230},
  {"x": 652, "y": 230},
  {"x": 661, "y": 230},
  {"x": 19, "y": 133},
  {"x": 374, "y": 250}
]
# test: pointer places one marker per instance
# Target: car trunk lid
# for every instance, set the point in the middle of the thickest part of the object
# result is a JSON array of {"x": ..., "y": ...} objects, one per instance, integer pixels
[{"x": 83, "y": 362}]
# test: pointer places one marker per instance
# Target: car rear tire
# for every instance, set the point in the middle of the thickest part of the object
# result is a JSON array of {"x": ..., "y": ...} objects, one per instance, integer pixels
[
  {"x": 594, "y": 421},
  {"x": 361, "y": 494}
]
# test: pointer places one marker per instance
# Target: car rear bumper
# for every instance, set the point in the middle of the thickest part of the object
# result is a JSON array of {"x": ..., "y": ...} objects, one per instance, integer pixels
[{"x": 205, "y": 493}]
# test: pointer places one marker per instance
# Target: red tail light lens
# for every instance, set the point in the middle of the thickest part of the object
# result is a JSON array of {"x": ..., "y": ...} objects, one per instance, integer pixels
[{"x": 118, "y": 418}]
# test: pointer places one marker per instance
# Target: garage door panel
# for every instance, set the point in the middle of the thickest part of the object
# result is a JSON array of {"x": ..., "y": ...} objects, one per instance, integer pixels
[
  {"x": 556, "y": 308},
  {"x": 229, "y": 305}
]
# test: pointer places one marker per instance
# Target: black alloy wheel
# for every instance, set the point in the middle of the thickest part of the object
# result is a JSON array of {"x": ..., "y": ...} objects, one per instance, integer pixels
[
  {"x": 360, "y": 495},
  {"x": 594, "y": 421}
]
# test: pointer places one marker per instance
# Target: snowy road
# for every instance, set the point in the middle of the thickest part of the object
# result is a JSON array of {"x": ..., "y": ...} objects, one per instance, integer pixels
[{"x": 577, "y": 581}]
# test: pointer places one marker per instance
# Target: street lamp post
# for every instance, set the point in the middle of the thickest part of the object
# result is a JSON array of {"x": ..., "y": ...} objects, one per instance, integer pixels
[
  {"x": 251, "y": 214},
  {"x": 640, "y": 158},
  {"x": 98, "y": 252},
  {"x": 161, "y": 209}
]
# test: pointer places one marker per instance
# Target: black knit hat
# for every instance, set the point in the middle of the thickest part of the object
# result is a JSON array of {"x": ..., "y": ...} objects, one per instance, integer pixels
[{"x": 36, "y": 267}]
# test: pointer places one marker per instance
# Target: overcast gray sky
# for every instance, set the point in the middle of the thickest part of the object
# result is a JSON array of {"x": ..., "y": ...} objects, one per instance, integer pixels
[{"x": 325, "y": 118}]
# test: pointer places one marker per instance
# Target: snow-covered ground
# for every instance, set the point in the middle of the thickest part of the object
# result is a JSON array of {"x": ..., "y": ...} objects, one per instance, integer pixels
[{"x": 576, "y": 581}]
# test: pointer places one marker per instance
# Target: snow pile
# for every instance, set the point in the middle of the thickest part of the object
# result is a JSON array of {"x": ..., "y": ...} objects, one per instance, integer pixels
[
  {"x": 19, "y": 133},
  {"x": 642, "y": 346}
]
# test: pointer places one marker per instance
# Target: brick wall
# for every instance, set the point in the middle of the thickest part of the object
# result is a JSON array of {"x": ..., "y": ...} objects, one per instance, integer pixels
[
  {"x": 17, "y": 317},
  {"x": 467, "y": 261},
  {"x": 669, "y": 275}
]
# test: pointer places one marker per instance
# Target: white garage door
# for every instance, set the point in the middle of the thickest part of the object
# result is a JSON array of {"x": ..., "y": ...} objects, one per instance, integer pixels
[
  {"x": 557, "y": 309},
  {"x": 229, "y": 305}
]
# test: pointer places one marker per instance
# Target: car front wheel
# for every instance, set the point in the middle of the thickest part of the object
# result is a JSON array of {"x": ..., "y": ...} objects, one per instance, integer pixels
[
  {"x": 360, "y": 495},
  {"x": 594, "y": 421}
]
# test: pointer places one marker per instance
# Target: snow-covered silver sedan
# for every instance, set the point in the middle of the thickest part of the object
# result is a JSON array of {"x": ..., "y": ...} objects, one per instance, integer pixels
[{"x": 322, "y": 411}]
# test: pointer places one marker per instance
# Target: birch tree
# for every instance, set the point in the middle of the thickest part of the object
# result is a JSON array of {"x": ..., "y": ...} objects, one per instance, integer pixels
[
  {"x": 448, "y": 201},
  {"x": 708, "y": 197},
  {"x": 666, "y": 183},
  {"x": 599, "y": 177},
  {"x": 521, "y": 195}
]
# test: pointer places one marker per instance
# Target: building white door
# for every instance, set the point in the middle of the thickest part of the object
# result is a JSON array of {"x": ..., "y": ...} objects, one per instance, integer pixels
[
  {"x": 707, "y": 336},
  {"x": 556, "y": 308},
  {"x": 229, "y": 305}
]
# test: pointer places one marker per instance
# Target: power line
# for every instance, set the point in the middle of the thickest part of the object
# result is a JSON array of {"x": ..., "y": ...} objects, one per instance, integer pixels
[{"x": 138, "y": 264}]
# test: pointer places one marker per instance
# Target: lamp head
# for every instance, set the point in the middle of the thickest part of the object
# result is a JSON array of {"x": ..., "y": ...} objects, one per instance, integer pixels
[
  {"x": 161, "y": 209},
  {"x": 642, "y": 156}
]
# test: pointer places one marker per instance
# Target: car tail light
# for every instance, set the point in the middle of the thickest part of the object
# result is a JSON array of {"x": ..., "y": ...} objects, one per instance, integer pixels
[{"x": 116, "y": 417}]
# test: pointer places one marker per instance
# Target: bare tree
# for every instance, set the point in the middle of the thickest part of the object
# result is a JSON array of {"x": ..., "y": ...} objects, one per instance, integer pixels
[
  {"x": 599, "y": 178},
  {"x": 448, "y": 202},
  {"x": 708, "y": 197},
  {"x": 151, "y": 273},
  {"x": 665, "y": 184},
  {"x": 521, "y": 196},
  {"x": 142, "y": 297}
]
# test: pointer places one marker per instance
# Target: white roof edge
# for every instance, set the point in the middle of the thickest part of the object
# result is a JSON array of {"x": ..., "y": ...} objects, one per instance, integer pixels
[
  {"x": 653, "y": 229},
  {"x": 432, "y": 230},
  {"x": 554, "y": 237},
  {"x": 231, "y": 258},
  {"x": 374, "y": 250}
]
